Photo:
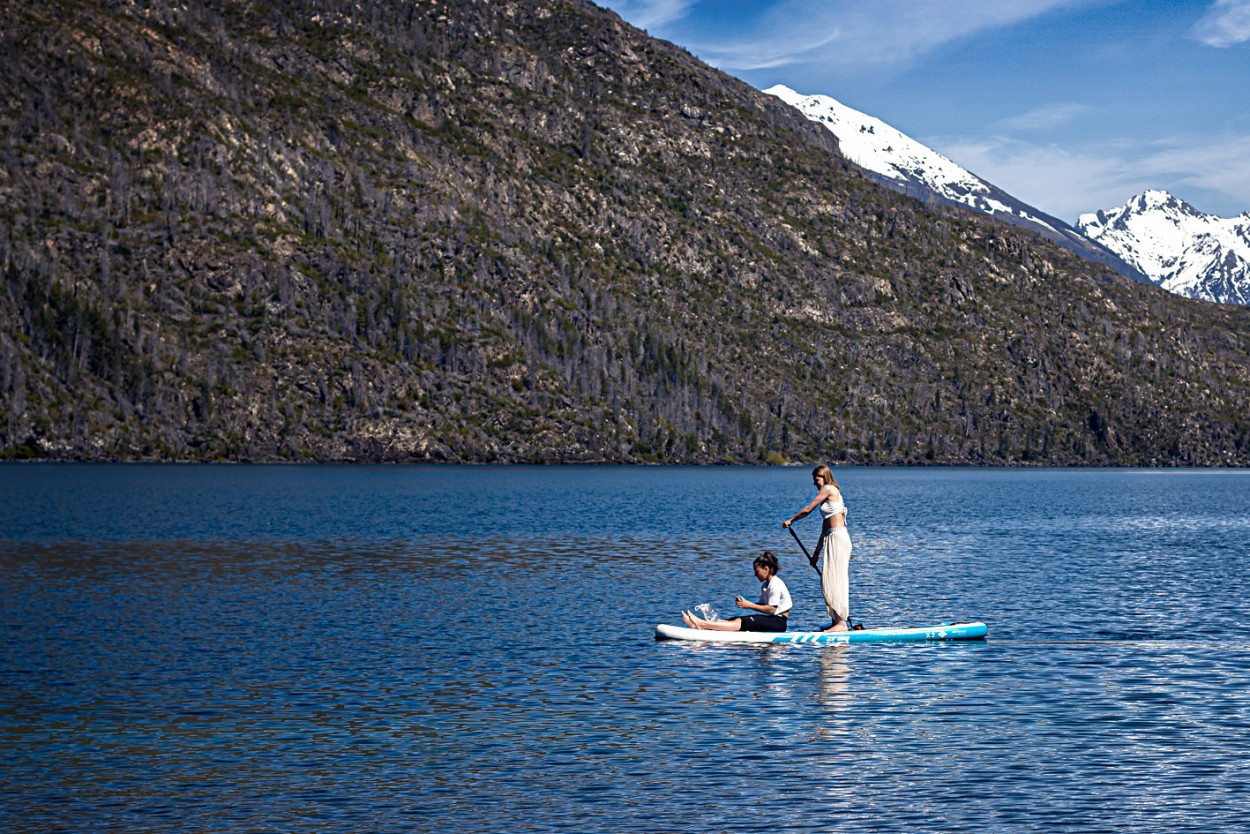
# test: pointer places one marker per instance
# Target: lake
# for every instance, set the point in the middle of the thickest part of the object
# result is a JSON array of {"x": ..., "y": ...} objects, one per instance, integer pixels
[{"x": 358, "y": 648}]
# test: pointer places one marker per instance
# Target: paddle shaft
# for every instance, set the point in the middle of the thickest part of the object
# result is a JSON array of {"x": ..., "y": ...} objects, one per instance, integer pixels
[{"x": 803, "y": 547}]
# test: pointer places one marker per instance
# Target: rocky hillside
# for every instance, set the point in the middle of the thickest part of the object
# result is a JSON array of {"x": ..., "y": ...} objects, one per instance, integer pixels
[{"x": 524, "y": 231}]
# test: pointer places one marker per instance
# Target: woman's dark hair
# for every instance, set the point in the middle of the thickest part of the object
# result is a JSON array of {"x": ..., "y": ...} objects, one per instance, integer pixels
[{"x": 768, "y": 560}]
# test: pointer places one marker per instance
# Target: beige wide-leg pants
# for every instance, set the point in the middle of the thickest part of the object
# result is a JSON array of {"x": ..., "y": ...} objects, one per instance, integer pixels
[{"x": 835, "y": 570}]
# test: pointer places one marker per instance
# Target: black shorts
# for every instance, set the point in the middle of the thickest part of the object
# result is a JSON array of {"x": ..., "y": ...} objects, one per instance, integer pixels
[{"x": 763, "y": 622}]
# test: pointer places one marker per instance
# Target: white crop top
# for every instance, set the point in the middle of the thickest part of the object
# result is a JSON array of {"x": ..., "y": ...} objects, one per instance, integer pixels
[{"x": 831, "y": 508}]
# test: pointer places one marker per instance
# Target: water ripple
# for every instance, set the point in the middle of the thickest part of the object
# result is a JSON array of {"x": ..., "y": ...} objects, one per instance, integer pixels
[{"x": 458, "y": 677}]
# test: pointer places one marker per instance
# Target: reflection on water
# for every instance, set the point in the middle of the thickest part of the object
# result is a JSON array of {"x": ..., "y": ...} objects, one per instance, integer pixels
[
  {"x": 835, "y": 676},
  {"x": 374, "y": 665}
]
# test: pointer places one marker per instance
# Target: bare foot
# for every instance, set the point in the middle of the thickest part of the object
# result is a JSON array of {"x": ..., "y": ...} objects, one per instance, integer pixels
[
  {"x": 841, "y": 626},
  {"x": 685, "y": 618}
]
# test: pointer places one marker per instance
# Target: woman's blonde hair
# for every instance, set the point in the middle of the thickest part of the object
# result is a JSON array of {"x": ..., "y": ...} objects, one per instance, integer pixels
[{"x": 826, "y": 473}]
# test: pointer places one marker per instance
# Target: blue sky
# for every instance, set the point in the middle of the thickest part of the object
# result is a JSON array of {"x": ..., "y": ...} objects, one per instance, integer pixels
[{"x": 1069, "y": 105}]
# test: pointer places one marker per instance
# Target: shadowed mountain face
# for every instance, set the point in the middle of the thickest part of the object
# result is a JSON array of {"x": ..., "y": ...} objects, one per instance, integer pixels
[{"x": 526, "y": 232}]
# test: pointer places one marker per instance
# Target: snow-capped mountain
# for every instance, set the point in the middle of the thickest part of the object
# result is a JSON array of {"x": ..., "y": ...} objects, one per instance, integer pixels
[
  {"x": 1178, "y": 247},
  {"x": 900, "y": 162}
]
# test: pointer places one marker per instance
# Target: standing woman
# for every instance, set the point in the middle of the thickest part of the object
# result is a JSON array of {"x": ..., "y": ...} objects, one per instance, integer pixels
[{"x": 834, "y": 548}]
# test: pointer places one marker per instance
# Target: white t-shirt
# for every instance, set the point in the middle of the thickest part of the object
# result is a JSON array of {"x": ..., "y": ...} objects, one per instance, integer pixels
[{"x": 775, "y": 592}]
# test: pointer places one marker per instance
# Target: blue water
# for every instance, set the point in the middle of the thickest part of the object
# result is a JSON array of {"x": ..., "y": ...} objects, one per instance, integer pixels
[{"x": 470, "y": 649}]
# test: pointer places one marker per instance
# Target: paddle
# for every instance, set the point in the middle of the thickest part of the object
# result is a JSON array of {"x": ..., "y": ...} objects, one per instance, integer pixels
[{"x": 810, "y": 560}]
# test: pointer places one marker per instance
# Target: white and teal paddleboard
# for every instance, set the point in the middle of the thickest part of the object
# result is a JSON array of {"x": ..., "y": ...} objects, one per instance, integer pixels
[{"x": 911, "y": 634}]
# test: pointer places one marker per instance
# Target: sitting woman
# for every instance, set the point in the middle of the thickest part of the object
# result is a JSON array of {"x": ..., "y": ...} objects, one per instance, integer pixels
[{"x": 773, "y": 607}]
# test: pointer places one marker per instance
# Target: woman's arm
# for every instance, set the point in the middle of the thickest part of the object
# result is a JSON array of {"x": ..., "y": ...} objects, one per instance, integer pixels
[
  {"x": 825, "y": 492},
  {"x": 743, "y": 602}
]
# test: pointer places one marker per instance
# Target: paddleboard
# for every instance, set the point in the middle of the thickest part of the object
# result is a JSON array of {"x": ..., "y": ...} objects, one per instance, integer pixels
[{"x": 909, "y": 634}]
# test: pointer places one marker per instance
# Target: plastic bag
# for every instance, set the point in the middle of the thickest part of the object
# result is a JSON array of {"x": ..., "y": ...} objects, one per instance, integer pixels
[{"x": 706, "y": 611}]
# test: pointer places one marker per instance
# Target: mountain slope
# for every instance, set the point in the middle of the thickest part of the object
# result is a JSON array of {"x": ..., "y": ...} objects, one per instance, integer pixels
[
  {"x": 1178, "y": 247},
  {"x": 900, "y": 162},
  {"x": 506, "y": 231}
]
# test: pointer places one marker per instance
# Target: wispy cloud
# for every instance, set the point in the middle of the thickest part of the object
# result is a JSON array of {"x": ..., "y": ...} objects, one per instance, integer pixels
[
  {"x": 1221, "y": 165},
  {"x": 869, "y": 35},
  {"x": 1067, "y": 182},
  {"x": 770, "y": 50},
  {"x": 652, "y": 14},
  {"x": 1059, "y": 181},
  {"x": 1045, "y": 117},
  {"x": 1227, "y": 23}
]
